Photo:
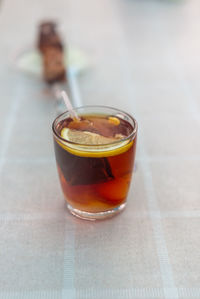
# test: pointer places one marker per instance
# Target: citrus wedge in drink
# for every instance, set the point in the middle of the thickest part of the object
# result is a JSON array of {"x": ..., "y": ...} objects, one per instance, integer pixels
[{"x": 89, "y": 144}]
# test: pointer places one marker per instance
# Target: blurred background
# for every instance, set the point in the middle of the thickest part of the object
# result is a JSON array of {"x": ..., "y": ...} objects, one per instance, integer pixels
[
  {"x": 146, "y": 48},
  {"x": 141, "y": 56}
]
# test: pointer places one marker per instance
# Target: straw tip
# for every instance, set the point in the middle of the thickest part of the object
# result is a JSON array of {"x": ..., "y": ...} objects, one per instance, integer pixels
[{"x": 63, "y": 93}]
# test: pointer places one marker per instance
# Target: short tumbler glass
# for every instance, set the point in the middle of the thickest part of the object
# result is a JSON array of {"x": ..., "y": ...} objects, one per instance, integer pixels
[{"x": 95, "y": 178}]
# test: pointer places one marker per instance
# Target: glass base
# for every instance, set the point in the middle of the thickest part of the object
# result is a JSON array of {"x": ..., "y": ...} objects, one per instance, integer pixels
[{"x": 96, "y": 216}]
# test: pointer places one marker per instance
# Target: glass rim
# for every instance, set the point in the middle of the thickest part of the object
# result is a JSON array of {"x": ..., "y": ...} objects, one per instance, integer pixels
[{"x": 131, "y": 136}]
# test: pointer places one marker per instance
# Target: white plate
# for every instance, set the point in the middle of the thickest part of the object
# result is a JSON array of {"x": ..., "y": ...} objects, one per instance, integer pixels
[{"x": 30, "y": 61}]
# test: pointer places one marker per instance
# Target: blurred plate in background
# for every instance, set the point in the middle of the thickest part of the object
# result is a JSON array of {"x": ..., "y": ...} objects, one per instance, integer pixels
[{"x": 30, "y": 61}]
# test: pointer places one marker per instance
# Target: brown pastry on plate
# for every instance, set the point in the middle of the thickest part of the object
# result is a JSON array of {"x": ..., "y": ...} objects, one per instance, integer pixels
[{"x": 52, "y": 50}]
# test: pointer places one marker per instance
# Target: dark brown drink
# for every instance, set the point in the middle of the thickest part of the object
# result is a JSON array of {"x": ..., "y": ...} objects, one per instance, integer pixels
[{"x": 95, "y": 157}]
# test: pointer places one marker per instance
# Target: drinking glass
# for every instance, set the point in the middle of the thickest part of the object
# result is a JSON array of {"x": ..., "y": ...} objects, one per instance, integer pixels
[{"x": 95, "y": 178}]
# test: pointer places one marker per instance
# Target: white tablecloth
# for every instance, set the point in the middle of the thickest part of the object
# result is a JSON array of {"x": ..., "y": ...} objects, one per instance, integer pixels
[{"x": 144, "y": 58}]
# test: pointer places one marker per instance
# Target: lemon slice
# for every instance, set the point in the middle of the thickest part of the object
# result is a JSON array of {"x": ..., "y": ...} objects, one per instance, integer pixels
[
  {"x": 114, "y": 120},
  {"x": 85, "y": 137},
  {"x": 91, "y": 144}
]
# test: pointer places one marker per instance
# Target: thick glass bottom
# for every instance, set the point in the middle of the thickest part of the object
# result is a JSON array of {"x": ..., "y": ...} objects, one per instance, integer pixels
[{"x": 96, "y": 216}]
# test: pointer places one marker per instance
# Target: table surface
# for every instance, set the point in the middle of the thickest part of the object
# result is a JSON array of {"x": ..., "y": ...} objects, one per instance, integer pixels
[{"x": 143, "y": 58}]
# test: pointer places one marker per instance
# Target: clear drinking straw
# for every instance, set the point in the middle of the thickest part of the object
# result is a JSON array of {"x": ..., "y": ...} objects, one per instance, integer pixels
[{"x": 68, "y": 104}]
